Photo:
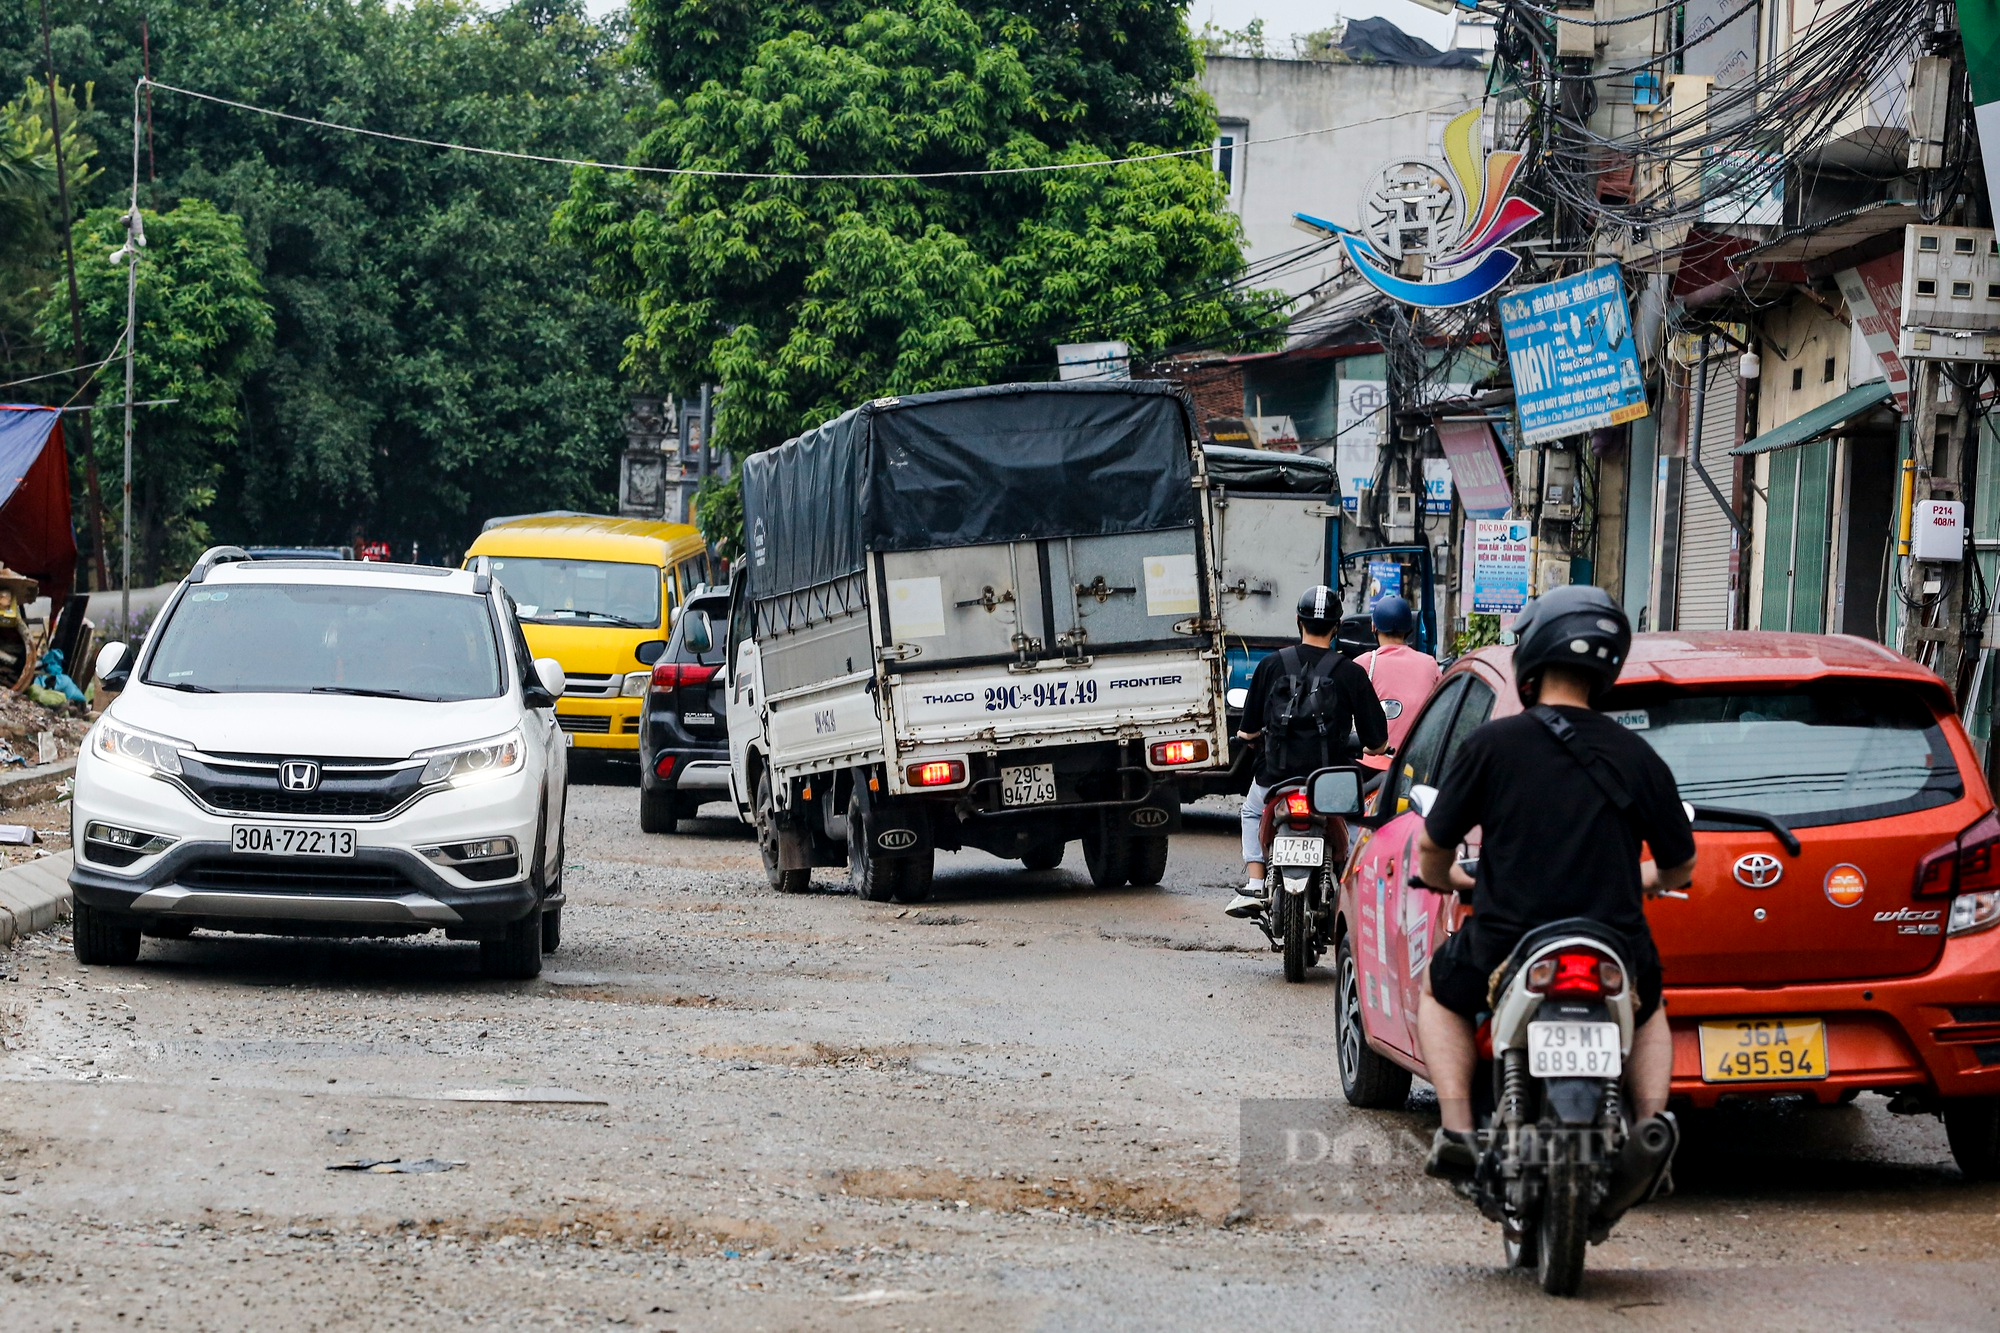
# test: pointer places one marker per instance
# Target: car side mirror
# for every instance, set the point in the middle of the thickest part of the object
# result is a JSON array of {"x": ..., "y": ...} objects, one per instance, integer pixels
[
  {"x": 1422, "y": 798},
  {"x": 1335, "y": 791},
  {"x": 549, "y": 675},
  {"x": 650, "y": 651},
  {"x": 109, "y": 658},
  {"x": 696, "y": 632}
]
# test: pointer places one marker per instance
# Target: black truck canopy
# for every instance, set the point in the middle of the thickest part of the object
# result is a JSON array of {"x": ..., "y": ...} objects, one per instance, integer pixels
[
  {"x": 1265, "y": 472},
  {"x": 965, "y": 467}
]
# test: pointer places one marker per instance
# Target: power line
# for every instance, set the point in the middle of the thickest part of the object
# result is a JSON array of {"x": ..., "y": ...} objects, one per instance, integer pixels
[{"x": 780, "y": 175}]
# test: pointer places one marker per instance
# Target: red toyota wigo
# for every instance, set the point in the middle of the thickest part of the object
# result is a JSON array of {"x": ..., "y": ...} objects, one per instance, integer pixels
[{"x": 1839, "y": 935}]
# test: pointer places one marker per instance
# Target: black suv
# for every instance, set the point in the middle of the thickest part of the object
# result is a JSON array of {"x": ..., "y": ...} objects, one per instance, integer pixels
[{"x": 683, "y": 725}]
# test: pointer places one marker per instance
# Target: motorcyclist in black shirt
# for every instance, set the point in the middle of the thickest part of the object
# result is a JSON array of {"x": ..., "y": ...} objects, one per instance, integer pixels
[
  {"x": 1305, "y": 702},
  {"x": 1564, "y": 798}
]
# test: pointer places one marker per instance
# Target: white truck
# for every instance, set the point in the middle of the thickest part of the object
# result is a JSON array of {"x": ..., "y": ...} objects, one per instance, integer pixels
[{"x": 985, "y": 617}]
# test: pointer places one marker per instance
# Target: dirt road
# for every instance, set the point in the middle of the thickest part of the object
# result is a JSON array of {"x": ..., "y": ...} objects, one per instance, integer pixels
[{"x": 1017, "y": 1107}]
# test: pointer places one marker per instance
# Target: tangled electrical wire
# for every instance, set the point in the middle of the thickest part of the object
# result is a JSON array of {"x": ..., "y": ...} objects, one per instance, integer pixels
[{"x": 1717, "y": 156}]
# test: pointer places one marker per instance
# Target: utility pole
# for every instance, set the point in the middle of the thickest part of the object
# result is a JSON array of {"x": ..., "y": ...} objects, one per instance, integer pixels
[
  {"x": 135, "y": 241},
  {"x": 83, "y": 375},
  {"x": 1934, "y": 600}
]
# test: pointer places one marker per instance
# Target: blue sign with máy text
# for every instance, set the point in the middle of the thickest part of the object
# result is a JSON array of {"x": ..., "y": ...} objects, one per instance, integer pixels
[{"x": 1569, "y": 345}]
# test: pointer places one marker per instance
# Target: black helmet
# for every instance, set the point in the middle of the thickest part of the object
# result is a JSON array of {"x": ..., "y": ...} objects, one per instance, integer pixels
[
  {"x": 1577, "y": 626},
  {"x": 1319, "y": 607}
]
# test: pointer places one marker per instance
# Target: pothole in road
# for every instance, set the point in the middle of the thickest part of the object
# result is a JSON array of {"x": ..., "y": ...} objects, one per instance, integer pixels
[
  {"x": 801, "y": 1054},
  {"x": 1191, "y": 1200},
  {"x": 1179, "y": 946}
]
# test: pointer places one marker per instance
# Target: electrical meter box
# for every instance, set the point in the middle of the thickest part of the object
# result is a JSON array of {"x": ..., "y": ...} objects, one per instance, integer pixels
[
  {"x": 1937, "y": 530},
  {"x": 1951, "y": 295}
]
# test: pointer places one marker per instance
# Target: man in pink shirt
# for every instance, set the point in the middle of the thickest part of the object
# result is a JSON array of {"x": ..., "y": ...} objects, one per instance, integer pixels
[{"x": 1402, "y": 676}]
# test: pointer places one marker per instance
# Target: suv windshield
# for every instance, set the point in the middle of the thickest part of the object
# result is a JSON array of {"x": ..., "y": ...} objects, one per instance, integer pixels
[
  {"x": 1829, "y": 752},
  {"x": 581, "y": 592},
  {"x": 278, "y": 638}
]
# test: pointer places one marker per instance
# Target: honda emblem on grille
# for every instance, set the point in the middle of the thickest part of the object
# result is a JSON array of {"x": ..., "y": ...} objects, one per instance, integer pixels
[
  {"x": 1759, "y": 870},
  {"x": 298, "y": 775}
]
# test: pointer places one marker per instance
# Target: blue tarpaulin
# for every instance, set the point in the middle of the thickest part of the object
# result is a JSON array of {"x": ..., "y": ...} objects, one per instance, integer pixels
[{"x": 35, "y": 535}]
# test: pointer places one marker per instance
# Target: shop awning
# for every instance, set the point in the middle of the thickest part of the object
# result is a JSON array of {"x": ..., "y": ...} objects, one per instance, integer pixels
[{"x": 1821, "y": 420}]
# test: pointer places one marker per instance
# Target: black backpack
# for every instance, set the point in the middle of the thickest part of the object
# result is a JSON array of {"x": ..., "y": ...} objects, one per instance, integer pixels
[{"x": 1305, "y": 719}]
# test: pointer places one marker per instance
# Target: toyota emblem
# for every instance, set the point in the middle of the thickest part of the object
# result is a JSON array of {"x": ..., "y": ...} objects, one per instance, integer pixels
[
  {"x": 298, "y": 775},
  {"x": 1759, "y": 870}
]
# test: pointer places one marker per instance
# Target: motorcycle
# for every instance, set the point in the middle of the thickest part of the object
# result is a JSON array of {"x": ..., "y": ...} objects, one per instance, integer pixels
[
  {"x": 1305, "y": 845},
  {"x": 1559, "y": 1159}
]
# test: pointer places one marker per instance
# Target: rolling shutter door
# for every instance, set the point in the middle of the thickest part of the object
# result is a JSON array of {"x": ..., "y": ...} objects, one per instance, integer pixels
[{"x": 1706, "y": 535}]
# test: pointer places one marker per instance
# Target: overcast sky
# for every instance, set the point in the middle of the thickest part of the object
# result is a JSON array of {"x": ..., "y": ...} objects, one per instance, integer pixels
[{"x": 1282, "y": 18}]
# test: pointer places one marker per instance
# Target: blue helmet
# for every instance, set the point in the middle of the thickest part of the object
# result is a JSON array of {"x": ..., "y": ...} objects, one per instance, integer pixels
[{"x": 1392, "y": 615}]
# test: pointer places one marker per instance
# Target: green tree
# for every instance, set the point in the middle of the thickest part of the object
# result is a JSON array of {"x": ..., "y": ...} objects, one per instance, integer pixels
[
  {"x": 804, "y": 297},
  {"x": 436, "y": 358},
  {"x": 203, "y": 327},
  {"x": 31, "y": 221}
]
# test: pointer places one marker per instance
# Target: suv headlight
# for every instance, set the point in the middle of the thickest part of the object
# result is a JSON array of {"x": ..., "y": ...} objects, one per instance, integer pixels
[
  {"x": 140, "y": 751},
  {"x": 462, "y": 765}
]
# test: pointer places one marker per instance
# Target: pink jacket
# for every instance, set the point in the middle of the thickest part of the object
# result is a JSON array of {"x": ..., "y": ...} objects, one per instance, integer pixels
[{"x": 1403, "y": 679}]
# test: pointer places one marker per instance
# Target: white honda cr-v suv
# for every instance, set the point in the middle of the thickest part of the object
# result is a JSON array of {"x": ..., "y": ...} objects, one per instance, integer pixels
[{"x": 323, "y": 747}]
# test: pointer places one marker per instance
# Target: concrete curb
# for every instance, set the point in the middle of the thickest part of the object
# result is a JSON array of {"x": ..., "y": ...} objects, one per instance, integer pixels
[
  {"x": 33, "y": 896},
  {"x": 27, "y": 785}
]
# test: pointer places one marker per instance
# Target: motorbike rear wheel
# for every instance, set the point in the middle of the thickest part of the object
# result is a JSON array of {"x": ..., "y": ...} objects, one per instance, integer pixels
[
  {"x": 1295, "y": 925},
  {"x": 1564, "y": 1227}
]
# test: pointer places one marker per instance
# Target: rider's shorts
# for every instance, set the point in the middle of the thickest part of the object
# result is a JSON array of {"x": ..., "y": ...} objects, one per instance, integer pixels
[{"x": 1463, "y": 967}]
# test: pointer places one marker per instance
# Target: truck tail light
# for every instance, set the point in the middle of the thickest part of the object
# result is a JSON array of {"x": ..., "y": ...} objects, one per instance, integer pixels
[
  {"x": 1576, "y": 972},
  {"x": 937, "y": 773},
  {"x": 1970, "y": 863},
  {"x": 669, "y": 675},
  {"x": 1168, "y": 753}
]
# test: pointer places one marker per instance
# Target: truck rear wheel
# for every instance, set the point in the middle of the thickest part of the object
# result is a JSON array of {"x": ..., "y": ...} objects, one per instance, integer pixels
[
  {"x": 784, "y": 881},
  {"x": 871, "y": 876},
  {"x": 1108, "y": 857},
  {"x": 1148, "y": 858},
  {"x": 1972, "y": 1126}
]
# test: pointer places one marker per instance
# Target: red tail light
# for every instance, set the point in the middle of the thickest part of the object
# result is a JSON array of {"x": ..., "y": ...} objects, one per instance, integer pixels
[
  {"x": 1179, "y": 752},
  {"x": 1576, "y": 972},
  {"x": 1969, "y": 863},
  {"x": 1297, "y": 805},
  {"x": 937, "y": 773},
  {"x": 667, "y": 675}
]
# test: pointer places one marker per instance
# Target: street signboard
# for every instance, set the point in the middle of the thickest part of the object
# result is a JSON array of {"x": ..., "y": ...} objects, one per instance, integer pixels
[
  {"x": 1874, "y": 295},
  {"x": 1358, "y": 432},
  {"x": 1979, "y": 29},
  {"x": 1502, "y": 564},
  {"x": 1475, "y": 467},
  {"x": 1437, "y": 486},
  {"x": 1569, "y": 343},
  {"x": 1385, "y": 579}
]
